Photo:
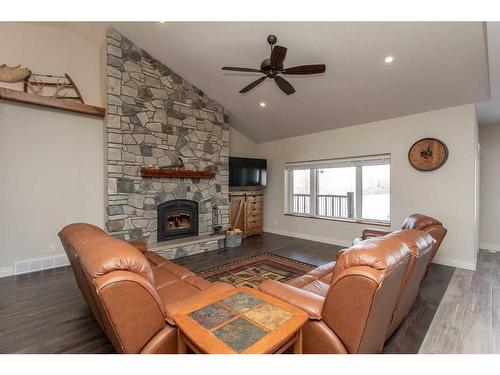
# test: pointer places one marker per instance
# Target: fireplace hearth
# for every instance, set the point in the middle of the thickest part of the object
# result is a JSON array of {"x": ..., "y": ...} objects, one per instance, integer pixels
[{"x": 177, "y": 218}]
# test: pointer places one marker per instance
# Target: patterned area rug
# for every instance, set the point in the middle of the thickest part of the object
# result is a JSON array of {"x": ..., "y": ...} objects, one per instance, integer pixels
[{"x": 253, "y": 270}]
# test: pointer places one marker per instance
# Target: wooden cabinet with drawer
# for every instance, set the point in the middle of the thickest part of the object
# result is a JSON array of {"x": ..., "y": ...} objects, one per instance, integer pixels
[{"x": 246, "y": 211}]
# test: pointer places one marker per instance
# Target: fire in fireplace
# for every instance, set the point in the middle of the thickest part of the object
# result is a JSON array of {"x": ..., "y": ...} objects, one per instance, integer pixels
[
  {"x": 178, "y": 221},
  {"x": 177, "y": 218}
]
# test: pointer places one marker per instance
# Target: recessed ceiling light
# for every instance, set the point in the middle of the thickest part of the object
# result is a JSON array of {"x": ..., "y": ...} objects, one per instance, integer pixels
[
  {"x": 163, "y": 21},
  {"x": 389, "y": 59},
  {"x": 262, "y": 104}
]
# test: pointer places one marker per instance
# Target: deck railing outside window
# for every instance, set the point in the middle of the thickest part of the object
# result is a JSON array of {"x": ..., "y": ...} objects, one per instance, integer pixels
[
  {"x": 341, "y": 206},
  {"x": 338, "y": 206},
  {"x": 301, "y": 203}
]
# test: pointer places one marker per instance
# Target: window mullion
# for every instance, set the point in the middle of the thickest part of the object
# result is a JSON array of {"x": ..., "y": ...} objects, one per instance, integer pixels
[
  {"x": 359, "y": 192},
  {"x": 291, "y": 187},
  {"x": 313, "y": 190}
]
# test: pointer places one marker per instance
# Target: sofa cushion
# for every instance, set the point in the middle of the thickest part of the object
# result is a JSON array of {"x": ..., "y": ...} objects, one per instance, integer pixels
[
  {"x": 316, "y": 281},
  {"x": 164, "y": 278},
  {"x": 154, "y": 259},
  {"x": 169, "y": 273},
  {"x": 181, "y": 289},
  {"x": 323, "y": 272},
  {"x": 311, "y": 284},
  {"x": 116, "y": 255},
  {"x": 372, "y": 253},
  {"x": 317, "y": 287},
  {"x": 327, "y": 278},
  {"x": 301, "y": 281},
  {"x": 69, "y": 230},
  {"x": 177, "y": 270},
  {"x": 420, "y": 222}
]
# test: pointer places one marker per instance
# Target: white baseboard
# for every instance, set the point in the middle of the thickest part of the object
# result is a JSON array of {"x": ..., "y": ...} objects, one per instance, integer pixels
[
  {"x": 305, "y": 236},
  {"x": 36, "y": 264},
  {"x": 339, "y": 242},
  {"x": 454, "y": 263},
  {"x": 7, "y": 271},
  {"x": 489, "y": 246}
]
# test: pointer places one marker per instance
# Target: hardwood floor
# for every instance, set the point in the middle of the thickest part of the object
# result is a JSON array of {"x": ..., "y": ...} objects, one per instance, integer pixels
[
  {"x": 315, "y": 253},
  {"x": 409, "y": 336},
  {"x": 44, "y": 312},
  {"x": 468, "y": 318}
]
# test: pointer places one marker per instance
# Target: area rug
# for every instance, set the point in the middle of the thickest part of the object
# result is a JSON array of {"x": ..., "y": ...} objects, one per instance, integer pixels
[{"x": 253, "y": 270}]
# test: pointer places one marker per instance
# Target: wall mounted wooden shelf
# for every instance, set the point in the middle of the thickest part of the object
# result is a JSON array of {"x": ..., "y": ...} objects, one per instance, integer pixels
[
  {"x": 175, "y": 173},
  {"x": 44, "y": 101}
]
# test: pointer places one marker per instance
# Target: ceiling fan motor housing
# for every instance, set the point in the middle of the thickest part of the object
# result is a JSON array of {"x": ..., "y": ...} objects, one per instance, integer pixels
[
  {"x": 265, "y": 65},
  {"x": 272, "y": 39}
]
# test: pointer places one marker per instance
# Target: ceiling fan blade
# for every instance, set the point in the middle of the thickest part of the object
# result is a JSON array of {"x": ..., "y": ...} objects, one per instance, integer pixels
[
  {"x": 305, "y": 69},
  {"x": 277, "y": 56},
  {"x": 252, "y": 85},
  {"x": 236, "y": 69},
  {"x": 284, "y": 85}
]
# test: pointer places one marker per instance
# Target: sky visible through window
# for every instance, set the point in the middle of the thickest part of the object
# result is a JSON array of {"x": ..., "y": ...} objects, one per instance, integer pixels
[
  {"x": 376, "y": 192},
  {"x": 301, "y": 181},
  {"x": 336, "y": 181}
]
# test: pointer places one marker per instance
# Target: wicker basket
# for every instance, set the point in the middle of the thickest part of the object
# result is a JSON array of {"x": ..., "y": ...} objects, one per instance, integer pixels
[{"x": 233, "y": 241}]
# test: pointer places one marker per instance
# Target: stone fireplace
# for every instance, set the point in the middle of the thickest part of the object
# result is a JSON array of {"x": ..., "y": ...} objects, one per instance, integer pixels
[
  {"x": 154, "y": 117},
  {"x": 177, "y": 219}
]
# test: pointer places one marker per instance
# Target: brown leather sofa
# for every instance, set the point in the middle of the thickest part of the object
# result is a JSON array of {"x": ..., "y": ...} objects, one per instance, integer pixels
[
  {"x": 416, "y": 221},
  {"x": 132, "y": 293},
  {"x": 354, "y": 304}
]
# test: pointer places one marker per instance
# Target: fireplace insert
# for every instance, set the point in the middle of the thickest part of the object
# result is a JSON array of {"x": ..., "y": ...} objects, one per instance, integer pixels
[{"x": 177, "y": 218}]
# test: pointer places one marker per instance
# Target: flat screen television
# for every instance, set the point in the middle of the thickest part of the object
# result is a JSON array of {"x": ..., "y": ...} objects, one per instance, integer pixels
[{"x": 247, "y": 172}]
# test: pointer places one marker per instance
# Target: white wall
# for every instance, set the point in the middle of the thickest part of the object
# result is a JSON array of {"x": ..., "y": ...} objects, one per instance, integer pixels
[
  {"x": 52, "y": 50},
  {"x": 51, "y": 161},
  {"x": 241, "y": 146},
  {"x": 447, "y": 194},
  {"x": 489, "y": 138}
]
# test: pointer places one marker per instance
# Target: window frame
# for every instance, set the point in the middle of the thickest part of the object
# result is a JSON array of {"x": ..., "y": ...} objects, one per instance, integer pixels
[{"x": 315, "y": 165}]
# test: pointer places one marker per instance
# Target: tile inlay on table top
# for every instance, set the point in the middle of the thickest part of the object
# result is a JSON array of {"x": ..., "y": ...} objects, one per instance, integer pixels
[
  {"x": 240, "y": 320},
  {"x": 239, "y": 334},
  {"x": 269, "y": 316},
  {"x": 212, "y": 315},
  {"x": 241, "y": 301}
]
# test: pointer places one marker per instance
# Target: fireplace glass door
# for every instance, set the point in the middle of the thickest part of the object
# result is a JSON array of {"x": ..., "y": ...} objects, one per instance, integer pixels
[{"x": 177, "y": 218}]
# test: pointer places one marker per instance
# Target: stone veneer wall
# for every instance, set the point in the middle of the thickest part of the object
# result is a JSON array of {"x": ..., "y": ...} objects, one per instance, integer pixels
[{"x": 154, "y": 116}]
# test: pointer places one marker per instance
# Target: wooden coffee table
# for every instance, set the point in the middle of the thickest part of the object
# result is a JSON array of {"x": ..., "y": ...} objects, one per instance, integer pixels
[{"x": 242, "y": 320}]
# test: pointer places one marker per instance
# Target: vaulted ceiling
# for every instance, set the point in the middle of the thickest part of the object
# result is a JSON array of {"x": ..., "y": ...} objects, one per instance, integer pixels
[
  {"x": 436, "y": 65},
  {"x": 488, "y": 112}
]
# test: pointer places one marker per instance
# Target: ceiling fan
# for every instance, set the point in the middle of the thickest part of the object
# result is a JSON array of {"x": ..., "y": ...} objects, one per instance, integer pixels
[{"x": 273, "y": 66}]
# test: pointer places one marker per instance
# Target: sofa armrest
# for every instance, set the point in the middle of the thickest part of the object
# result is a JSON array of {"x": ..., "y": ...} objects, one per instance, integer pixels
[
  {"x": 139, "y": 245},
  {"x": 309, "y": 302},
  {"x": 370, "y": 232},
  {"x": 341, "y": 251}
]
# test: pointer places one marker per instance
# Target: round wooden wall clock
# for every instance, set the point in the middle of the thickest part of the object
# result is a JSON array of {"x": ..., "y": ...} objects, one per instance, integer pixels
[{"x": 428, "y": 154}]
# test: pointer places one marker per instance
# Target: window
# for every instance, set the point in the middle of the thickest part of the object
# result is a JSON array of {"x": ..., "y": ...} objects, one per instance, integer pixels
[
  {"x": 301, "y": 191},
  {"x": 355, "y": 189}
]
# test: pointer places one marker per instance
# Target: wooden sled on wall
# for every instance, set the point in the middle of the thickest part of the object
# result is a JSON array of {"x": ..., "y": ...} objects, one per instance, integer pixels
[{"x": 54, "y": 86}]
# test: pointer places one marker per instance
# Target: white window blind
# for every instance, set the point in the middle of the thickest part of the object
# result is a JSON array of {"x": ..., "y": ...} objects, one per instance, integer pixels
[{"x": 340, "y": 163}]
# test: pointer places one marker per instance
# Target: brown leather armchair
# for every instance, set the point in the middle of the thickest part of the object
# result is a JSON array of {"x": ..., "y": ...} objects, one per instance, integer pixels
[
  {"x": 416, "y": 221},
  {"x": 132, "y": 293},
  {"x": 353, "y": 303}
]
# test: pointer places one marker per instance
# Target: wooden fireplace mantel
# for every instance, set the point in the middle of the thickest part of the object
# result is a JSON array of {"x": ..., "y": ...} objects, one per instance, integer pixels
[
  {"x": 175, "y": 173},
  {"x": 45, "y": 101}
]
